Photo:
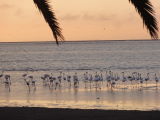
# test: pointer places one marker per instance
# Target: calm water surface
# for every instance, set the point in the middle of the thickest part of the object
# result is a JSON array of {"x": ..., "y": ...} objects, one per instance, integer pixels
[{"x": 45, "y": 57}]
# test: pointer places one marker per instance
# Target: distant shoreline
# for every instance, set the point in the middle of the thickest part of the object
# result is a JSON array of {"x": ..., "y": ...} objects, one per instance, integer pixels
[
  {"x": 28, "y": 113},
  {"x": 79, "y": 41}
]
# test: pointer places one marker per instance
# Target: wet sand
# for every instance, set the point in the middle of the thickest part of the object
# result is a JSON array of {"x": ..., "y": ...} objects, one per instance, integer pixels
[
  {"x": 28, "y": 113},
  {"x": 119, "y": 98}
]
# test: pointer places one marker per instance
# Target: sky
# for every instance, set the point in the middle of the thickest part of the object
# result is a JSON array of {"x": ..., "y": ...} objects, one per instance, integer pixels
[{"x": 79, "y": 19}]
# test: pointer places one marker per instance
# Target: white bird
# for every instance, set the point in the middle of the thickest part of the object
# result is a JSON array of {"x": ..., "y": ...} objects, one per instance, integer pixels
[
  {"x": 157, "y": 80},
  {"x": 141, "y": 80},
  {"x": 33, "y": 81},
  {"x": 97, "y": 79},
  {"x": 124, "y": 79},
  {"x": 75, "y": 80},
  {"x": 147, "y": 78},
  {"x": 69, "y": 80},
  {"x": 90, "y": 80},
  {"x": 1, "y": 75},
  {"x": 7, "y": 81}
]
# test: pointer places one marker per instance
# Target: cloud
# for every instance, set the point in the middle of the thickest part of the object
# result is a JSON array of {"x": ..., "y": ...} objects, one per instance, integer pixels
[
  {"x": 86, "y": 16},
  {"x": 70, "y": 17},
  {"x": 18, "y": 12},
  {"x": 5, "y": 6},
  {"x": 99, "y": 17}
]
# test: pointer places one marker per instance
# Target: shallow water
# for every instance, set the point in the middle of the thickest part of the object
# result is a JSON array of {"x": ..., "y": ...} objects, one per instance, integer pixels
[{"x": 119, "y": 56}]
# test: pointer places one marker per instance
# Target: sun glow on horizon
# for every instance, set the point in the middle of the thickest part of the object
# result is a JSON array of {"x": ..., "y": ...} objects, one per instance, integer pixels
[{"x": 79, "y": 20}]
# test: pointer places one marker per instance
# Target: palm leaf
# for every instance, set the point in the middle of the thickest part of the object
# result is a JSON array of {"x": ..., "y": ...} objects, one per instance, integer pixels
[
  {"x": 147, "y": 13},
  {"x": 49, "y": 16}
]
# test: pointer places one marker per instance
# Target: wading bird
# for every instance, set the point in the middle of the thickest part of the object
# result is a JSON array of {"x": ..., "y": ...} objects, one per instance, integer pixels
[
  {"x": 147, "y": 78},
  {"x": 75, "y": 80},
  {"x": 1, "y": 75},
  {"x": 7, "y": 81},
  {"x": 33, "y": 81},
  {"x": 156, "y": 80}
]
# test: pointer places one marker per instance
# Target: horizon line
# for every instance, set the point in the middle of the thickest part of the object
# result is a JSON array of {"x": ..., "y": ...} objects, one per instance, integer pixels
[{"x": 81, "y": 40}]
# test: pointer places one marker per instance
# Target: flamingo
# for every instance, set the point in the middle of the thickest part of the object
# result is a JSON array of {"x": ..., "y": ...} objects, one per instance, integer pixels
[
  {"x": 113, "y": 83},
  {"x": 124, "y": 79},
  {"x": 97, "y": 79},
  {"x": 64, "y": 77},
  {"x": 108, "y": 78},
  {"x": 75, "y": 80},
  {"x": 43, "y": 78},
  {"x": 46, "y": 75},
  {"x": 33, "y": 81},
  {"x": 131, "y": 78},
  {"x": 101, "y": 76},
  {"x": 117, "y": 77},
  {"x": 7, "y": 81},
  {"x": 90, "y": 80},
  {"x": 157, "y": 80},
  {"x": 7, "y": 77},
  {"x": 137, "y": 78},
  {"x": 57, "y": 83},
  {"x": 24, "y": 75},
  {"x": 86, "y": 79},
  {"x": 141, "y": 80},
  {"x": 147, "y": 78},
  {"x": 51, "y": 80},
  {"x": 46, "y": 79},
  {"x": 60, "y": 77},
  {"x": 1, "y": 75},
  {"x": 69, "y": 80}
]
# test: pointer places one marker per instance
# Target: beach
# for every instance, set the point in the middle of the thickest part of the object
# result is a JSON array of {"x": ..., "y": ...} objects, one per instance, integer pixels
[
  {"x": 106, "y": 67},
  {"x": 96, "y": 57},
  {"x": 30, "y": 113}
]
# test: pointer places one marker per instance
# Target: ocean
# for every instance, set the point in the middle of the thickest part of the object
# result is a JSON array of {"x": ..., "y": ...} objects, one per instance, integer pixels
[{"x": 39, "y": 58}]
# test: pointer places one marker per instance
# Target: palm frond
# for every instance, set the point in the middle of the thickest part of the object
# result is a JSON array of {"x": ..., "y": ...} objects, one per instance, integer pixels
[
  {"x": 49, "y": 16},
  {"x": 147, "y": 13}
]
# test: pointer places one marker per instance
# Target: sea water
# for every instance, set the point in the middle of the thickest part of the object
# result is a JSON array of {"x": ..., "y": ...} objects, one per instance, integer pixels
[{"x": 39, "y": 58}]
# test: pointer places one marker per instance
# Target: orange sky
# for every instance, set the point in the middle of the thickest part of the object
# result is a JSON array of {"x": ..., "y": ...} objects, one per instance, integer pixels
[{"x": 80, "y": 20}]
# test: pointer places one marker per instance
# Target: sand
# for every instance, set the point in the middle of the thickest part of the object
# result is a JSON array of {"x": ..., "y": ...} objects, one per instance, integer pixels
[{"x": 28, "y": 113}]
